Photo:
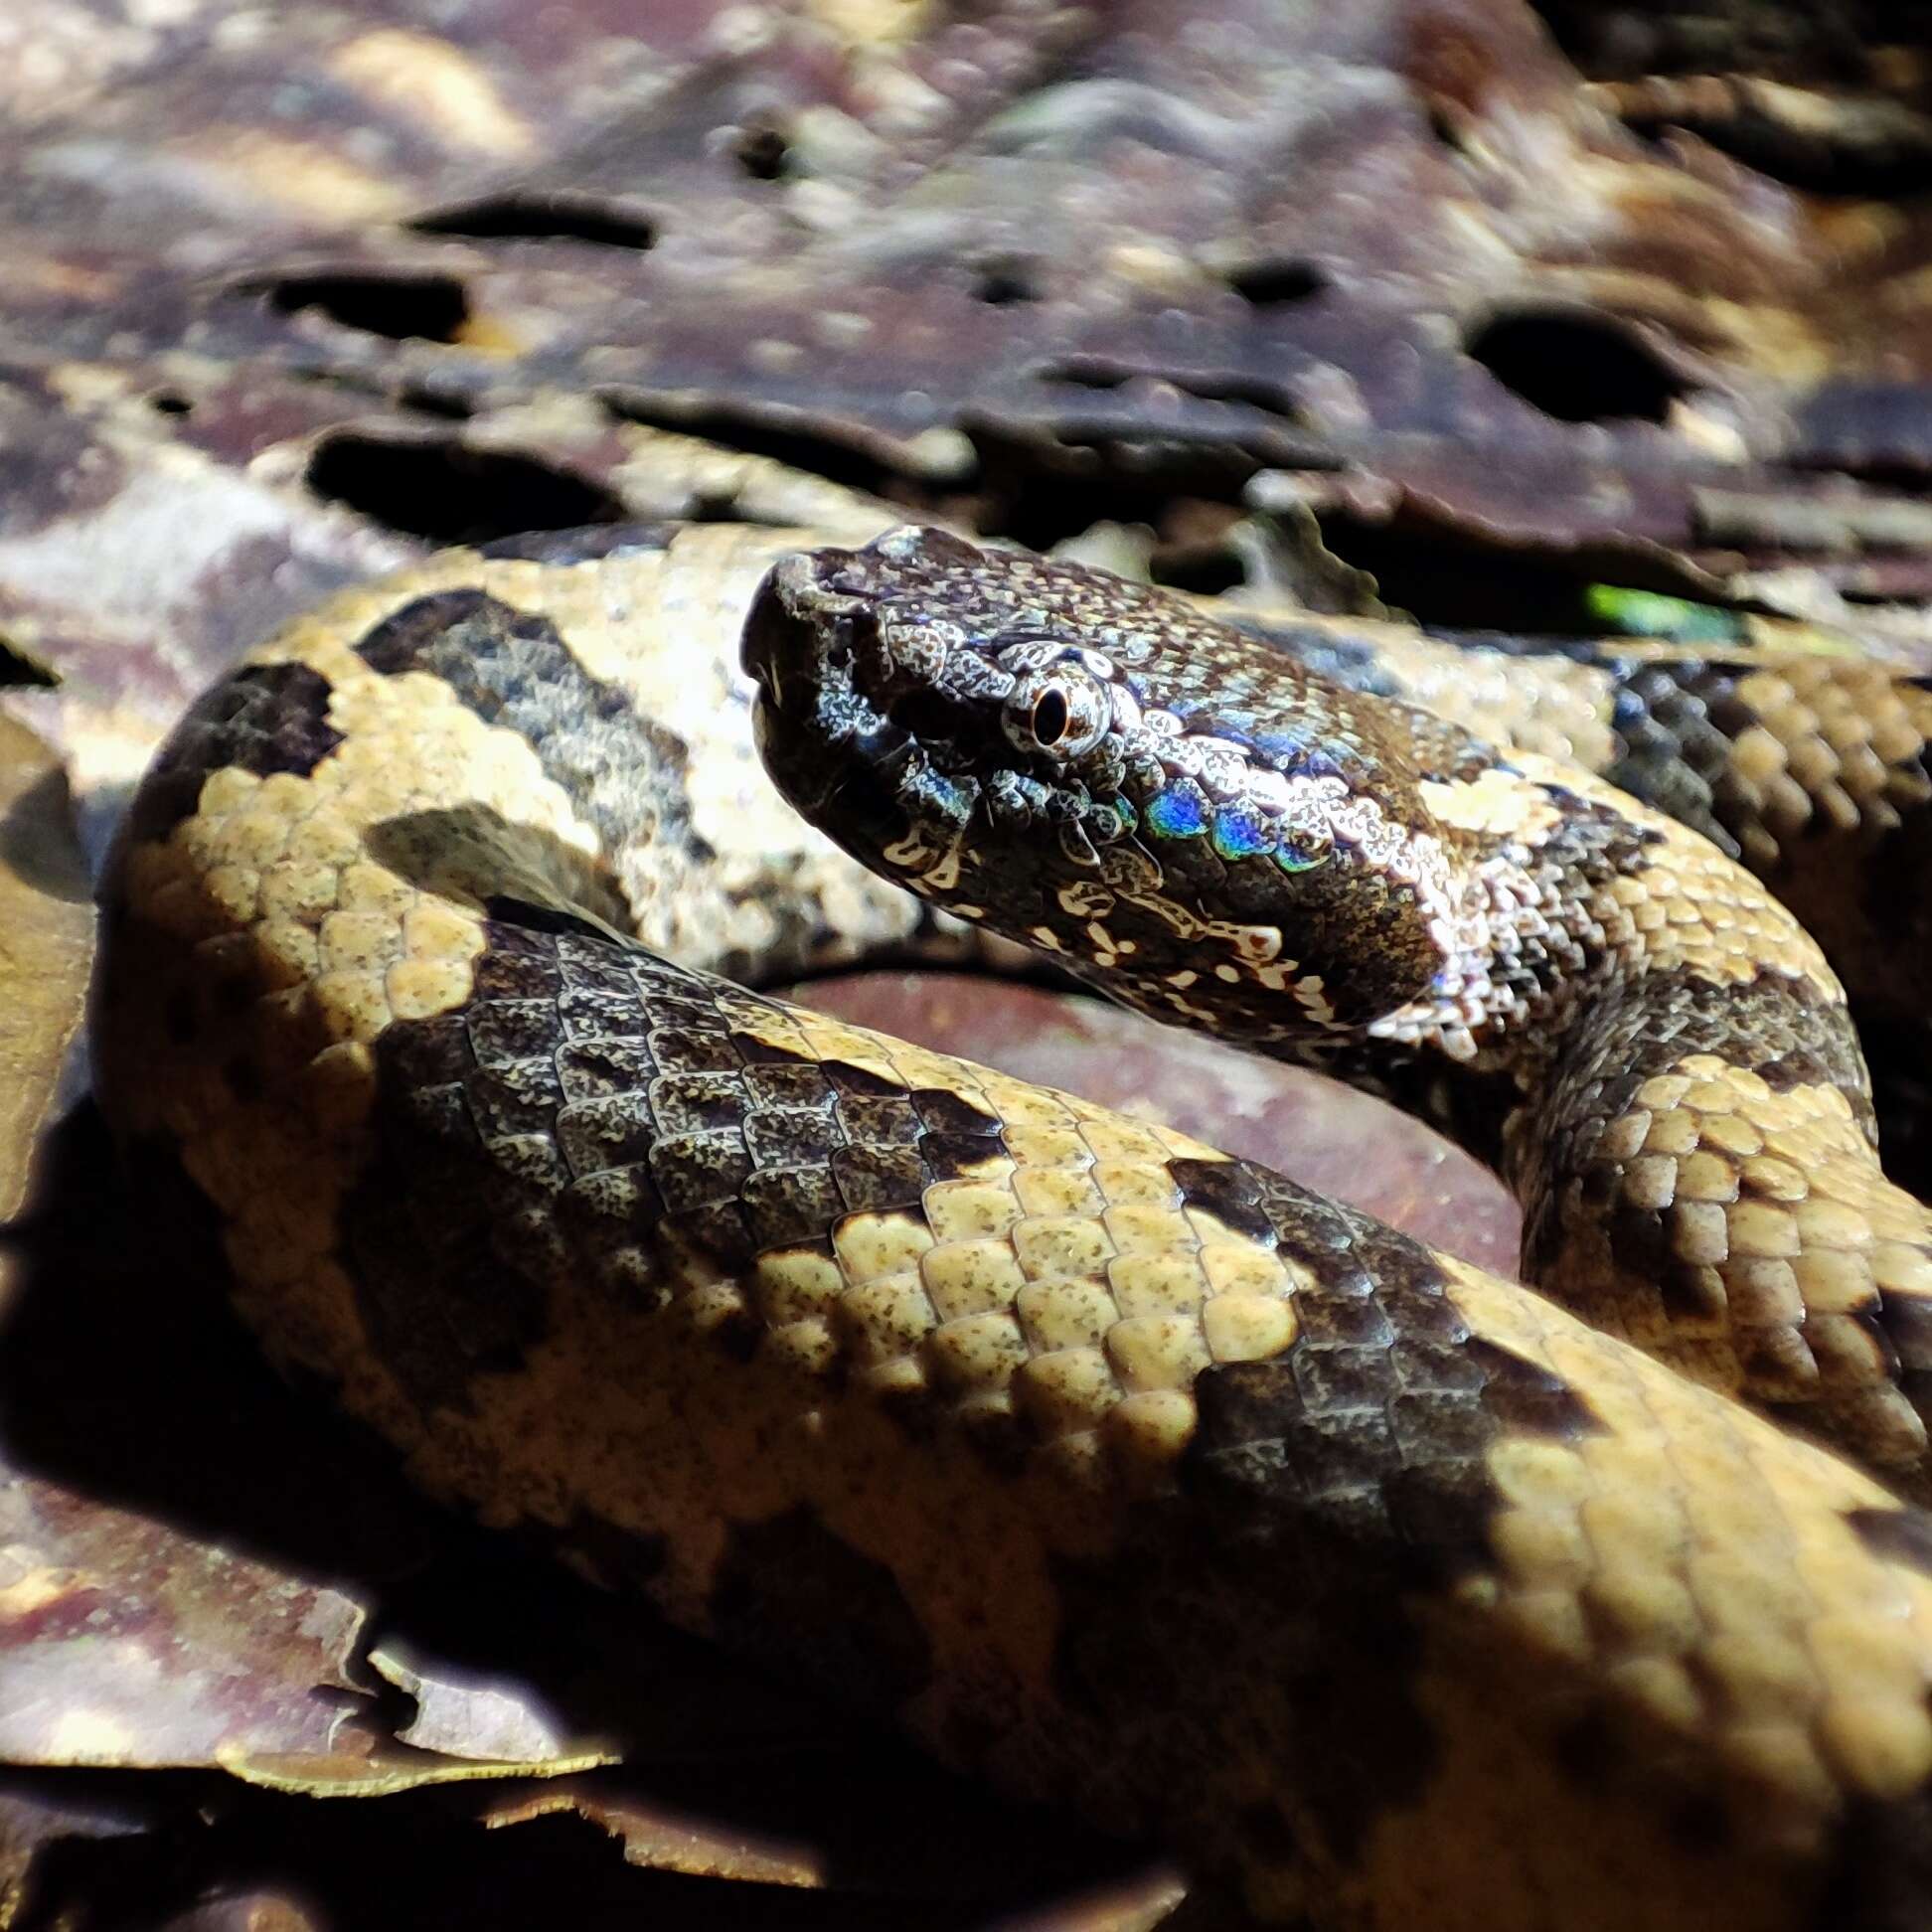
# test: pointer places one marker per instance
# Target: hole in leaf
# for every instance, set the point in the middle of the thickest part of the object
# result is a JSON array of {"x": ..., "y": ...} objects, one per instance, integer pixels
[
  {"x": 1577, "y": 367},
  {"x": 1248, "y": 393},
  {"x": 1002, "y": 288},
  {"x": 1197, "y": 568},
  {"x": 799, "y": 447},
  {"x": 451, "y": 494},
  {"x": 1087, "y": 376},
  {"x": 426, "y": 400},
  {"x": 432, "y": 307},
  {"x": 1449, "y": 123},
  {"x": 1275, "y": 285},
  {"x": 541, "y": 217},
  {"x": 761, "y": 152}
]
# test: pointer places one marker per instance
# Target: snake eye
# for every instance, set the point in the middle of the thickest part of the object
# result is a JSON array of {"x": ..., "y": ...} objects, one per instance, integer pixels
[{"x": 1062, "y": 713}]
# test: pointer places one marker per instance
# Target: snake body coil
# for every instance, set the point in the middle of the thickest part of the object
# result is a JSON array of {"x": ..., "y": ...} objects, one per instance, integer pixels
[{"x": 1128, "y": 1474}]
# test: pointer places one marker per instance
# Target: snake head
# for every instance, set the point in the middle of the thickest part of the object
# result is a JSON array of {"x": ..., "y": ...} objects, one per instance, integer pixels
[{"x": 1162, "y": 803}]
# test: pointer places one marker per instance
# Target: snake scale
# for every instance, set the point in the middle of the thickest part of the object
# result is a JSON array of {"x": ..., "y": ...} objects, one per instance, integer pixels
[{"x": 1129, "y": 1475}]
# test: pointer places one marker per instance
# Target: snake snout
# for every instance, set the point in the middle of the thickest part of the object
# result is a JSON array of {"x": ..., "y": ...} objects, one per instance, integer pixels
[
  {"x": 778, "y": 644},
  {"x": 821, "y": 734}
]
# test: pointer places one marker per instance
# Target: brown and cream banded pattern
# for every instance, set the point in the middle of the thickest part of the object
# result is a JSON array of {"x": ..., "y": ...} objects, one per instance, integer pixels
[
  {"x": 1131, "y": 1475},
  {"x": 1652, "y": 1049}
]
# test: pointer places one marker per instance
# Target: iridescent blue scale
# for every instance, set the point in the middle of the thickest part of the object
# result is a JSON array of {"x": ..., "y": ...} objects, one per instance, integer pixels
[
  {"x": 1179, "y": 812},
  {"x": 1240, "y": 831}
]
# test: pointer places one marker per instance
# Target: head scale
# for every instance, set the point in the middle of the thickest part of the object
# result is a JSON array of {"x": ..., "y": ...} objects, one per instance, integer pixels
[{"x": 1094, "y": 768}]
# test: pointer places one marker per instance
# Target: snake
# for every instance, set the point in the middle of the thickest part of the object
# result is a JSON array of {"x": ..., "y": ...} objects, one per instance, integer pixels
[{"x": 1122, "y": 1473}]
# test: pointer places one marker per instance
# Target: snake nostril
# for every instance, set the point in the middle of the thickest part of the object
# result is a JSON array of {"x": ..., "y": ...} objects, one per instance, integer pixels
[{"x": 925, "y": 714}]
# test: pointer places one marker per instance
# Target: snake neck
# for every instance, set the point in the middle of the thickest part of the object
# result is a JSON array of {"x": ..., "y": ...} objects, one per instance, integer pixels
[
  {"x": 1531, "y": 860},
  {"x": 1593, "y": 944},
  {"x": 1525, "y": 951}
]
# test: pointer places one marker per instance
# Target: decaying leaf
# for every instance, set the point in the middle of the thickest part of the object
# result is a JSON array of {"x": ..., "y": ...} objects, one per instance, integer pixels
[
  {"x": 1451, "y": 280},
  {"x": 353, "y": 1775},
  {"x": 124, "y": 1644},
  {"x": 878, "y": 1827}
]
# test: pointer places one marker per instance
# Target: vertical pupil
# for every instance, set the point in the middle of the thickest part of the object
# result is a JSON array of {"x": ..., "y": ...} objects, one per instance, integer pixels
[{"x": 1051, "y": 715}]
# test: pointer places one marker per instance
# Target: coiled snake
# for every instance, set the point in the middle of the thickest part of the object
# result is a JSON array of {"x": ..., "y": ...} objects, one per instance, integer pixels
[{"x": 1130, "y": 1475}]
